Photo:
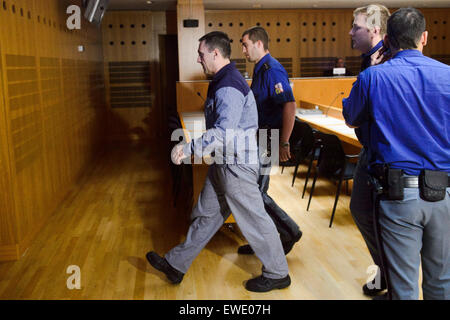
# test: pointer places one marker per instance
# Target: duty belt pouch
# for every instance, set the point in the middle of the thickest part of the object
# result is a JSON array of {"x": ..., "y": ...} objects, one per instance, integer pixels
[
  {"x": 432, "y": 185},
  {"x": 395, "y": 184}
]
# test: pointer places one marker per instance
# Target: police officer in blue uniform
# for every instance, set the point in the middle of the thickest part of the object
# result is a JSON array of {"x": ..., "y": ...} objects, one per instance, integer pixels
[
  {"x": 405, "y": 105},
  {"x": 276, "y": 110}
]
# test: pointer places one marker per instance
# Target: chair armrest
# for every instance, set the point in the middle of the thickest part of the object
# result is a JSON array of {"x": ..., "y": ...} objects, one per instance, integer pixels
[{"x": 352, "y": 156}]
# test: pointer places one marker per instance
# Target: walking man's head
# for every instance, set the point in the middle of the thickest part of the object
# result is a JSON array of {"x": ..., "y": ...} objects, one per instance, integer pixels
[
  {"x": 255, "y": 43},
  {"x": 214, "y": 51}
]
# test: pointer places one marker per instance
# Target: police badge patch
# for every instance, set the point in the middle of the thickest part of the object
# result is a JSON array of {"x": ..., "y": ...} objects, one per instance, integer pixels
[{"x": 278, "y": 88}]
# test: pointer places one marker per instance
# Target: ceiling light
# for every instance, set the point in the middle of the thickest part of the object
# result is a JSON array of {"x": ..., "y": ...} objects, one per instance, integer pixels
[{"x": 149, "y": 2}]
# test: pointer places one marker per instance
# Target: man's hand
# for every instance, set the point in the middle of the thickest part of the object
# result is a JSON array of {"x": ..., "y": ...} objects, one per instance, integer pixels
[
  {"x": 177, "y": 154},
  {"x": 285, "y": 153},
  {"x": 380, "y": 56}
]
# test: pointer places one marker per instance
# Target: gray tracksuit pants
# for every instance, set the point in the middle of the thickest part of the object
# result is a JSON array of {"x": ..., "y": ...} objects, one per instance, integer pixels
[{"x": 232, "y": 188}]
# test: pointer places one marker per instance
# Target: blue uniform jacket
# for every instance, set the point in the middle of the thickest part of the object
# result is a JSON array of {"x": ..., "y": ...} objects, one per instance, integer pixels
[
  {"x": 270, "y": 85},
  {"x": 406, "y": 103}
]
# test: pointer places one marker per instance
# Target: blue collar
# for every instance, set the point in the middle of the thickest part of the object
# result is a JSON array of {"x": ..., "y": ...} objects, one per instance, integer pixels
[
  {"x": 373, "y": 50},
  {"x": 408, "y": 53},
  {"x": 222, "y": 71},
  {"x": 261, "y": 62}
]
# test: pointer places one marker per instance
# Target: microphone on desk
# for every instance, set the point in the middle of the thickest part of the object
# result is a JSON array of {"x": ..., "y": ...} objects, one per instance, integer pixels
[
  {"x": 334, "y": 100},
  {"x": 200, "y": 95}
]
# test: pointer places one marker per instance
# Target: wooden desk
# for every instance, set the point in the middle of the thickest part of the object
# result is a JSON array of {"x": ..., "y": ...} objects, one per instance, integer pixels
[
  {"x": 194, "y": 124},
  {"x": 331, "y": 125}
]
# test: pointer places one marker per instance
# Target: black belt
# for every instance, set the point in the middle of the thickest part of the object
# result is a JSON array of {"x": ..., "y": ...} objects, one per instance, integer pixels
[{"x": 413, "y": 182}]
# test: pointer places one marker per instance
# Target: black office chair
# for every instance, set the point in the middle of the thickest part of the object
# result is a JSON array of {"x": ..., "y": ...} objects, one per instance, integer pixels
[
  {"x": 334, "y": 164},
  {"x": 306, "y": 145},
  {"x": 313, "y": 156},
  {"x": 295, "y": 142}
]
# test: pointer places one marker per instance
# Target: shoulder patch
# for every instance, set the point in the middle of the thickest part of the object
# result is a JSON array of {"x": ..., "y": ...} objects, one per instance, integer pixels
[
  {"x": 279, "y": 88},
  {"x": 266, "y": 66}
]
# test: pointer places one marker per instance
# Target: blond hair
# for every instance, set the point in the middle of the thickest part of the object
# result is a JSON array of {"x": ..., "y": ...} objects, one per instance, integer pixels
[{"x": 377, "y": 16}]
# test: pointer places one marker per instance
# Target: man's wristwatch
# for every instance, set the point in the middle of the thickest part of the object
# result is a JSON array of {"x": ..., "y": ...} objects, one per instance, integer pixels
[{"x": 285, "y": 144}]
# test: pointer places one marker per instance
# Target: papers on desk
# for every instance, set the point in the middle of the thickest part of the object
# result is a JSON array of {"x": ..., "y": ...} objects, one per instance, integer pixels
[
  {"x": 301, "y": 111},
  {"x": 330, "y": 125},
  {"x": 324, "y": 120},
  {"x": 343, "y": 128}
]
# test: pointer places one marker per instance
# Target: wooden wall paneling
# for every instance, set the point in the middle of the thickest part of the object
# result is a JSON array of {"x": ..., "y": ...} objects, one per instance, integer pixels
[
  {"x": 24, "y": 115},
  {"x": 190, "y": 9},
  {"x": 233, "y": 23},
  {"x": 50, "y": 140},
  {"x": 321, "y": 49},
  {"x": 437, "y": 22},
  {"x": 47, "y": 29},
  {"x": 320, "y": 33},
  {"x": 131, "y": 38},
  {"x": 8, "y": 232},
  {"x": 323, "y": 91},
  {"x": 283, "y": 33},
  {"x": 309, "y": 38}
]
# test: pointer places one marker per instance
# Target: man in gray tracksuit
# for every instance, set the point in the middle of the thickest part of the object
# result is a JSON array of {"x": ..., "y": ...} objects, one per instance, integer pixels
[{"x": 231, "y": 184}]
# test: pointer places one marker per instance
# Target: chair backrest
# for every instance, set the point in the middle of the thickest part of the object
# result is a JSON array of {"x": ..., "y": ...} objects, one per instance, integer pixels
[
  {"x": 308, "y": 139},
  {"x": 296, "y": 135},
  {"x": 332, "y": 155},
  {"x": 174, "y": 122},
  {"x": 302, "y": 139}
]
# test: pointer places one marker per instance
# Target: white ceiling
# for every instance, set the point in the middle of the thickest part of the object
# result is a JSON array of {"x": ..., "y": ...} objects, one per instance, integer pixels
[{"x": 163, "y": 5}]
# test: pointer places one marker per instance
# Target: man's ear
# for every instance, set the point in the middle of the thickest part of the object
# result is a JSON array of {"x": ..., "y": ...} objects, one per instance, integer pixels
[
  {"x": 216, "y": 53},
  {"x": 424, "y": 38},
  {"x": 259, "y": 44},
  {"x": 376, "y": 30}
]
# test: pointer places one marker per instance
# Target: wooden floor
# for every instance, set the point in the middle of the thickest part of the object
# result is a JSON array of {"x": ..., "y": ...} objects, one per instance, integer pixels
[{"x": 122, "y": 208}]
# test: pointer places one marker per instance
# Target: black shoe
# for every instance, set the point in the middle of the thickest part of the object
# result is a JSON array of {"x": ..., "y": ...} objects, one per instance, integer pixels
[
  {"x": 381, "y": 297},
  {"x": 287, "y": 246},
  {"x": 162, "y": 265},
  {"x": 263, "y": 284},
  {"x": 374, "y": 291},
  {"x": 245, "y": 249}
]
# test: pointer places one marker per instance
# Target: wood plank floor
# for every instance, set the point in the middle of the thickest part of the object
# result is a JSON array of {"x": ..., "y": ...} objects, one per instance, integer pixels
[{"x": 123, "y": 208}]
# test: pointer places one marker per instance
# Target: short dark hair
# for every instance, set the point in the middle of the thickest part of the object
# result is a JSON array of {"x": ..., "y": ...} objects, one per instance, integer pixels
[
  {"x": 258, "y": 33},
  {"x": 405, "y": 27},
  {"x": 218, "y": 40}
]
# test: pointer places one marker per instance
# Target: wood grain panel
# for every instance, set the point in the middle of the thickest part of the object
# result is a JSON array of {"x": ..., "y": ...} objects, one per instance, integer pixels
[
  {"x": 8, "y": 234},
  {"x": 313, "y": 33},
  {"x": 323, "y": 91},
  {"x": 187, "y": 48},
  {"x": 438, "y": 26},
  {"x": 131, "y": 37},
  {"x": 53, "y": 119}
]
